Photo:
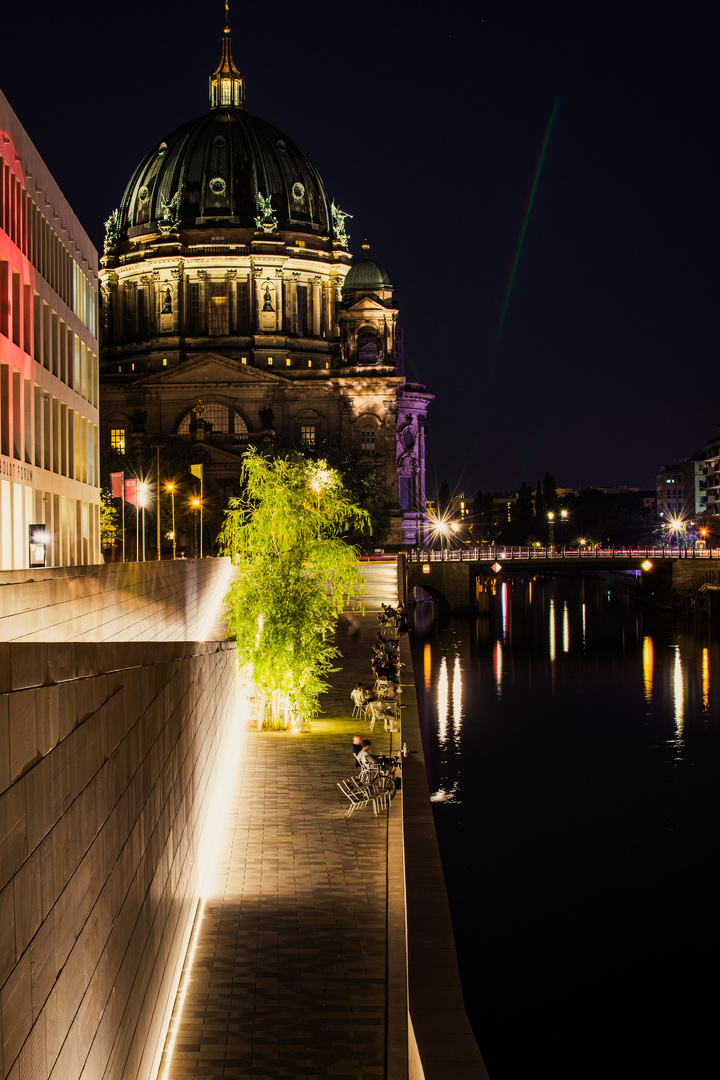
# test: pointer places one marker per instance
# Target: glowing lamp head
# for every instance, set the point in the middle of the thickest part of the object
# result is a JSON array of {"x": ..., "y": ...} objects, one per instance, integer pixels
[{"x": 647, "y": 565}]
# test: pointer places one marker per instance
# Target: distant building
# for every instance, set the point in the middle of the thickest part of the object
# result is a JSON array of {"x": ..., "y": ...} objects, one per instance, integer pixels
[
  {"x": 681, "y": 489},
  {"x": 49, "y": 470},
  {"x": 231, "y": 314},
  {"x": 711, "y": 473}
]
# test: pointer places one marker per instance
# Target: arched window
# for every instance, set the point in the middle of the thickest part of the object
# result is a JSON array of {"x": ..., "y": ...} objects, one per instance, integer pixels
[
  {"x": 367, "y": 346},
  {"x": 223, "y": 418}
]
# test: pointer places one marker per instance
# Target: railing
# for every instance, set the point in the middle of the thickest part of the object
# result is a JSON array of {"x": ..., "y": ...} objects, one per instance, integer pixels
[{"x": 493, "y": 554}]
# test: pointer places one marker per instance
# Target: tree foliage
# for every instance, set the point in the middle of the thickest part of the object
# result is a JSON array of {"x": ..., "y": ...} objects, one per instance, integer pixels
[
  {"x": 285, "y": 537},
  {"x": 364, "y": 487}
]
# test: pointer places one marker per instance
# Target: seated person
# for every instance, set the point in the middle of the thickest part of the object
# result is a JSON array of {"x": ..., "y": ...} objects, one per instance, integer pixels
[
  {"x": 366, "y": 756},
  {"x": 356, "y": 746},
  {"x": 357, "y": 695}
]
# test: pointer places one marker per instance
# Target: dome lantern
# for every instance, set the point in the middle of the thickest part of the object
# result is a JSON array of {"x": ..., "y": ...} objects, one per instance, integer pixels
[{"x": 227, "y": 86}]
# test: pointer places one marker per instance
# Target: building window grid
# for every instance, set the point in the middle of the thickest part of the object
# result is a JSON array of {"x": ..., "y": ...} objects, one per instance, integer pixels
[
  {"x": 307, "y": 435},
  {"x": 117, "y": 440},
  {"x": 367, "y": 441}
]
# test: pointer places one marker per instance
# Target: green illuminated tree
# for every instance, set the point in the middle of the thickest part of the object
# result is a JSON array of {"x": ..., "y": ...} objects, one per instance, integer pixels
[{"x": 285, "y": 538}]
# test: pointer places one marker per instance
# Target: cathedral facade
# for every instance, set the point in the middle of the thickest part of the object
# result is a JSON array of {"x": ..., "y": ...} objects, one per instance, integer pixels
[{"x": 232, "y": 316}]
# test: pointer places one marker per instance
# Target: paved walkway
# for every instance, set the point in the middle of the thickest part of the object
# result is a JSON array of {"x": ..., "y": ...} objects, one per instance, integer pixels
[{"x": 299, "y": 967}]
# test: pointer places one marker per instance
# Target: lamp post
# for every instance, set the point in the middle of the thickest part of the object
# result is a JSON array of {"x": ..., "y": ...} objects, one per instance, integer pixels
[
  {"x": 142, "y": 491},
  {"x": 551, "y": 530},
  {"x": 195, "y": 504},
  {"x": 563, "y": 519},
  {"x": 171, "y": 489}
]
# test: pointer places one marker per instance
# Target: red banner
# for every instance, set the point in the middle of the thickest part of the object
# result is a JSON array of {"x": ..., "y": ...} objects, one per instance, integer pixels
[
  {"x": 116, "y": 484},
  {"x": 131, "y": 491}
]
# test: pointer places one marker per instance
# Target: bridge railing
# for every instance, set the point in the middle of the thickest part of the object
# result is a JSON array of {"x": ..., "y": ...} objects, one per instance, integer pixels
[{"x": 493, "y": 554}]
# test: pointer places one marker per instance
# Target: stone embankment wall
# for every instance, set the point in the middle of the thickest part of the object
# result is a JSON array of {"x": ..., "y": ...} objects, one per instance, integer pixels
[{"x": 109, "y": 756}]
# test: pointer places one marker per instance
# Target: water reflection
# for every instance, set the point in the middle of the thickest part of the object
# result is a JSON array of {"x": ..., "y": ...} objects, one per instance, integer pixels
[
  {"x": 566, "y": 628},
  {"x": 571, "y": 741},
  {"x": 678, "y": 698},
  {"x": 498, "y": 667},
  {"x": 648, "y": 668},
  {"x": 442, "y": 702},
  {"x": 457, "y": 702}
]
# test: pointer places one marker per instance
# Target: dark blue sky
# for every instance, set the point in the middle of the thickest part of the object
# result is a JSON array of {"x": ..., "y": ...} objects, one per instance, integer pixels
[{"x": 427, "y": 125}]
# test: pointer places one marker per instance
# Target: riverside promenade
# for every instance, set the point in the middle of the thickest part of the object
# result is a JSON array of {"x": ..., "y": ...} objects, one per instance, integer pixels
[{"x": 299, "y": 968}]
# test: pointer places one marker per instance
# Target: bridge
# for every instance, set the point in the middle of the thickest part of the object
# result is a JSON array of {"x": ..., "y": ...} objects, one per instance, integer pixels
[{"x": 460, "y": 580}]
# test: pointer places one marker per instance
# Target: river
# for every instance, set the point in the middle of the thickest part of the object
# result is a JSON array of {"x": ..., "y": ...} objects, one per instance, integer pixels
[{"x": 571, "y": 743}]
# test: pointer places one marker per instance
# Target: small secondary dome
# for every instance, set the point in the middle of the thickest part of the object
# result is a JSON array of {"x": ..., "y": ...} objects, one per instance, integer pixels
[{"x": 366, "y": 274}]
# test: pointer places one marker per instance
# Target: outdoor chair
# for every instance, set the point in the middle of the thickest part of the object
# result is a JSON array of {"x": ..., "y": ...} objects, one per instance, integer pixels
[
  {"x": 356, "y": 799},
  {"x": 358, "y": 703}
]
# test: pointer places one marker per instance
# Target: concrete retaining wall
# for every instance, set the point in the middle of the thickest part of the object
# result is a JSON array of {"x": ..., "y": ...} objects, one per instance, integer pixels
[
  {"x": 441, "y": 1043},
  {"x": 108, "y": 759},
  {"x": 161, "y": 601}
]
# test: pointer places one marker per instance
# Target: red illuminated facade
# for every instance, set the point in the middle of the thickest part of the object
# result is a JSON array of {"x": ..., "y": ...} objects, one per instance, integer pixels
[{"x": 49, "y": 468}]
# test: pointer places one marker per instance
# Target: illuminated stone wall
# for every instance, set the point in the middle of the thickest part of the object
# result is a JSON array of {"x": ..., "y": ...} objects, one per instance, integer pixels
[
  {"x": 153, "y": 601},
  {"x": 108, "y": 764}
]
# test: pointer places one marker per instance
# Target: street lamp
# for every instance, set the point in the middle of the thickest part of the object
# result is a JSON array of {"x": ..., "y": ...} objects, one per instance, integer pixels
[
  {"x": 563, "y": 519},
  {"x": 171, "y": 489},
  {"x": 142, "y": 494},
  {"x": 551, "y": 530},
  {"x": 195, "y": 505}
]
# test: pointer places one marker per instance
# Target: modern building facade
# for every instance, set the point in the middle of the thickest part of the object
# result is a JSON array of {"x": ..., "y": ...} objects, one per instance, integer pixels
[
  {"x": 49, "y": 446},
  {"x": 711, "y": 474},
  {"x": 681, "y": 492},
  {"x": 231, "y": 313}
]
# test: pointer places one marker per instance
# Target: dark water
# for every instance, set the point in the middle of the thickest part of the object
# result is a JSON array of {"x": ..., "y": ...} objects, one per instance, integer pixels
[{"x": 572, "y": 748}]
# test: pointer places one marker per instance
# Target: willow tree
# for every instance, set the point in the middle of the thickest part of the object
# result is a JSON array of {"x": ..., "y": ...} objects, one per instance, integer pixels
[{"x": 293, "y": 572}]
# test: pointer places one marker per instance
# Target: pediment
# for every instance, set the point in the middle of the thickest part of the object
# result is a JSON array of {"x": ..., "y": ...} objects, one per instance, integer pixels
[
  {"x": 369, "y": 307},
  {"x": 210, "y": 369}
]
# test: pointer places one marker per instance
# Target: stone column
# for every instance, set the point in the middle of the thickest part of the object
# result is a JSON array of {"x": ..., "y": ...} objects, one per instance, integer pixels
[{"x": 316, "y": 294}]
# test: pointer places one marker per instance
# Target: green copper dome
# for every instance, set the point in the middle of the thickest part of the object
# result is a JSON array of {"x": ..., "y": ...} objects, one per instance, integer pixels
[{"x": 366, "y": 274}]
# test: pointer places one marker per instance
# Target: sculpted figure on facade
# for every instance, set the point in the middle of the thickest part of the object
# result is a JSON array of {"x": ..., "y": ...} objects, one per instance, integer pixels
[
  {"x": 266, "y": 220},
  {"x": 169, "y": 213},
  {"x": 112, "y": 231},
  {"x": 338, "y": 225}
]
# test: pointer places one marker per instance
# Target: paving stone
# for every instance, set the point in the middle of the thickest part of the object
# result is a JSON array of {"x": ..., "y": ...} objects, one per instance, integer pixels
[{"x": 290, "y": 971}]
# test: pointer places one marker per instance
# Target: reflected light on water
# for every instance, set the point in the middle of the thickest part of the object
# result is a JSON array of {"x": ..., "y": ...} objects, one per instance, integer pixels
[
  {"x": 648, "y": 668},
  {"x": 427, "y": 665},
  {"x": 552, "y": 630},
  {"x": 583, "y": 627},
  {"x": 443, "y": 702},
  {"x": 441, "y": 795},
  {"x": 678, "y": 698},
  {"x": 504, "y": 603},
  {"x": 706, "y": 680},
  {"x": 457, "y": 700},
  {"x": 498, "y": 667},
  {"x": 566, "y": 628}
]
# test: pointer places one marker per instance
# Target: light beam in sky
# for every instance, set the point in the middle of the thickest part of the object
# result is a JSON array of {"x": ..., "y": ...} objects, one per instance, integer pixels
[{"x": 527, "y": 215}]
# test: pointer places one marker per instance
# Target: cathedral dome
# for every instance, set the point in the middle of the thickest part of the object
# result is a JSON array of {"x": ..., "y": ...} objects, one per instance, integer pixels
[
  {"x": 225, "y": 169},
  {"x": 366, "y": 275}
]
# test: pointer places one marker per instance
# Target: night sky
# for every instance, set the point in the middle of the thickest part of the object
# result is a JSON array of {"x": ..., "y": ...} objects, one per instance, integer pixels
[{"x": 427, "y": 124}]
